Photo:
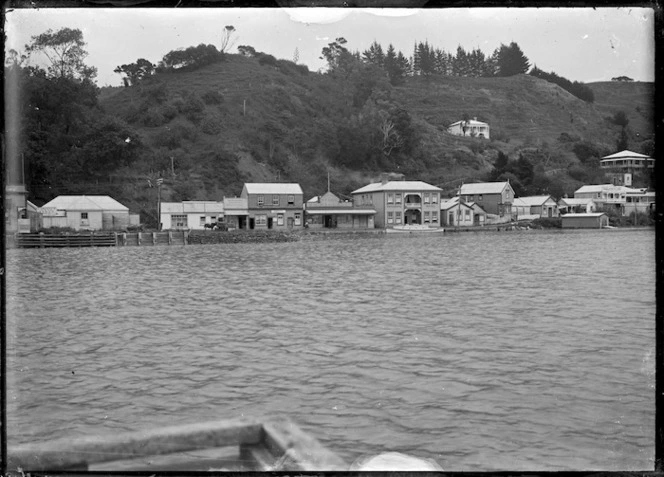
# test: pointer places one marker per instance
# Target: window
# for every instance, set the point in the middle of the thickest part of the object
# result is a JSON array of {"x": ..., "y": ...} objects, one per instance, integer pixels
[
  {"x": 291, "y": 199},
  {"x": 202, "y": 220},
  {"x": 275, "y": 200},
  {"x": 427, "y": 217},
  {"x": 471, "y": 198},
  {"x": 260, "y": 200},
  {"x": 390, "y": 217},
  {"x": 434, "y": 198},
  {"x": 397, "y": 218},
  {"x": 261, "y": 219},
  {"x": 467, "y": 214},
  {"x": 298, "y": 219},
  {"x": 280, "y": 219},
  {"x": 479, "y": 197},
  {"x": 427, "y": 198},
  {"x": 434, "y": 216},
  {"x": 84, "y": 215},
  {"x": 178, "y": 221},
  {"x": 397, "y": 198},
  {"x": 390, "y": 198}
]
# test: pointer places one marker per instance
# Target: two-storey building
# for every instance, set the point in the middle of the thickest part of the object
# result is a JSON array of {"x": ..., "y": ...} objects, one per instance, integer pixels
[
  {"x": 273, "y": 205},
  {"x": 328, "y": 211},
  {"x": 401, "y": 203},
  {"x": 494, "y": 197}
]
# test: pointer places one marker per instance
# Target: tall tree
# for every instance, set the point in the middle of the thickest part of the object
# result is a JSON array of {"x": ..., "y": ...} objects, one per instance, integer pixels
[
  {"x": 135, "y": 72},
  {"x": 65, "y": 51},
  {"x": 374, "y": 54},
  {"x": 511, "y": 60},
  {"x": 226, "y": 38}
]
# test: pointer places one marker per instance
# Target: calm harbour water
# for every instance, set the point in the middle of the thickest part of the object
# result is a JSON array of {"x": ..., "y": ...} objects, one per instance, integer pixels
[{"x": 529, "y": 350}]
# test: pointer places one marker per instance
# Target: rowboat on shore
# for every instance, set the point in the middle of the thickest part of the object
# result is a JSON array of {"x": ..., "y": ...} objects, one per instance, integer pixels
[
  {"x": 241, "y": 444},
  {"x": 415, "y": 228}
]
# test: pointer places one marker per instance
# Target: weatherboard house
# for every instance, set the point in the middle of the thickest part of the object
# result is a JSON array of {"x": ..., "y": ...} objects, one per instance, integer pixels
[
  {"x": 86, "y": 212},
  {"x": 470, "y": 128}
]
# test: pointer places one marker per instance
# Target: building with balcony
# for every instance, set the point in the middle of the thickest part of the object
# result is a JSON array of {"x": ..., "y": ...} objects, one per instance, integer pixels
[
  {"x": 605, "y": 196},
  {"x": 469, "y": 128},
  {"x": 330, "y": 212},
  {"x": 401, "y": 203},
  {"x": 622, "y": 166}
]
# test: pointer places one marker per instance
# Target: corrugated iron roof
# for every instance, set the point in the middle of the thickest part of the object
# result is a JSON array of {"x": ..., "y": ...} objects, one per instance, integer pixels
[
  {"x": 484, "y": 188},
  {"x": 397, "y": 186},
  {"x": 192, "y": 207},
  {"x": 272, "y": 188},
  {"x": 532, "y": 200},
  {"x": 470, "y": 122},
  {"x": 85, "y": 202},
  {"x": 626, "y": 155}
]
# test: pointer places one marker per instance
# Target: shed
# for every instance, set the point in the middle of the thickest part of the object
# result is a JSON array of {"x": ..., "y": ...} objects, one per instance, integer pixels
[
  {"x": 87, "y": 212},
  {"x": 593, "y": 220}
]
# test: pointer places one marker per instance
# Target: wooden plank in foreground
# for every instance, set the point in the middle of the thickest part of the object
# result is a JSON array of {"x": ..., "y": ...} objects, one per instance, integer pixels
[
  {"x": 217, "y": 459},
  {"x": 76, "y": 454},
  {"x": 298, "y": 450}
]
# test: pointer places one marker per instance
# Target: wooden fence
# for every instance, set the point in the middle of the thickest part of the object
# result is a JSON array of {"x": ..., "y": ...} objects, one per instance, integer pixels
[
  {"x": 104, "y": 239},
  {"x": 100, "y": 239}
]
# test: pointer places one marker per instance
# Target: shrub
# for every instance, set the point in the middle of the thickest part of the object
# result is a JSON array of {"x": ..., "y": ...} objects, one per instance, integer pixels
[
  {"x": 585, "y": 151},
  {"x": 153, "y": 118},
  {"x": 211, "y": 124},
  {"x": 212, "y": 97},
  {"x": 156, "y": 94},
  {"x": 265, "y": 59},
  {"x": 169, "y": 111},
  {"x": 548, "y": 223}
]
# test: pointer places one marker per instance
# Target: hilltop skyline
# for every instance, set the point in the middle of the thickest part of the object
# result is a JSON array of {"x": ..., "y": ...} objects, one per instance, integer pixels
[{"x": 581, "y": 44}]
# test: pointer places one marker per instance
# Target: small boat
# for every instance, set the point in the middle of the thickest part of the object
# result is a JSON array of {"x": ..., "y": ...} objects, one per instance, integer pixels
[
  {"x": 416, "y": 228},
  {"x": 241, "y": 444}
]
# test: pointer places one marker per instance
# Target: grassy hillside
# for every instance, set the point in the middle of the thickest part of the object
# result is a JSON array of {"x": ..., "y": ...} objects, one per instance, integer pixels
[{"x": 212, "y": 129}]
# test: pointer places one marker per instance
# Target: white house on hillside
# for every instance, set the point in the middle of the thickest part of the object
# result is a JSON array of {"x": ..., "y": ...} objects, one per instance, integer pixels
[{"x": 470, "y": 128}]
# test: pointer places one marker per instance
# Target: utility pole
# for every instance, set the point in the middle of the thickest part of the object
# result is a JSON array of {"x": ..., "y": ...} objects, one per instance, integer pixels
[{"x": 160, "y": 181}]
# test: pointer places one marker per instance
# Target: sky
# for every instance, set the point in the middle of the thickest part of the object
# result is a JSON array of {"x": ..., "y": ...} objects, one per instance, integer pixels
[{"x": 580, "y": 44}]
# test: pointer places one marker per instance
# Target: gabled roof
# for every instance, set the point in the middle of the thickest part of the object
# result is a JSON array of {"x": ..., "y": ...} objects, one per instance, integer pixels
[
  {"x": 85, "y": 202},
  {"x": 272, "y": 188},
  {"x": 453, "y": 202},
  {"x": 533, "y": 200},
  {"x": 484, "y": 188},
  {"x": 626, "y": 154},
  {"x": 470, "y": 122},
  {"x": 397, "y": 186},
  {"x": 475, "y": 206}
]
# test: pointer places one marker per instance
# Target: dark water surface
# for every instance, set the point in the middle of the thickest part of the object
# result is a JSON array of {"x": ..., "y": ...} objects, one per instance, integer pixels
[{"x": 529, "y": 350}]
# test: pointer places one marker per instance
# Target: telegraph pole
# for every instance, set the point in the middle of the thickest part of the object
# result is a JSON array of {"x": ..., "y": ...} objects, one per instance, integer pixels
[{"x": 160, "y": 181}]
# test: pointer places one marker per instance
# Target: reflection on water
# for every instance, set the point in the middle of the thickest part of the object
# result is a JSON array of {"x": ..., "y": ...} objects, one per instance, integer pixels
[{"x": 524, "y": 350}]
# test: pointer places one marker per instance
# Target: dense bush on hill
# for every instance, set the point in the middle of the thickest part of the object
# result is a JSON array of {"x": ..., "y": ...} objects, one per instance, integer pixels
[
  {"x": 208, "y": 127},
  {"x": 579, "y": 90}
]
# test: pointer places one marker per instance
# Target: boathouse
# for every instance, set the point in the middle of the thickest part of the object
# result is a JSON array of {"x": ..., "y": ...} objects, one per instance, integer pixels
[{"x": 591, "y": 220}]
